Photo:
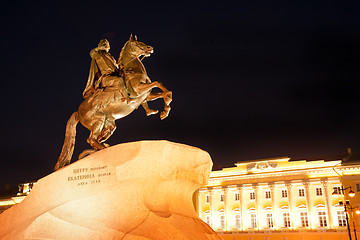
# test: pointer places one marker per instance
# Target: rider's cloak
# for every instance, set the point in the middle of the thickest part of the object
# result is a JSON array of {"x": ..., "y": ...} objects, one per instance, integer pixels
[
  {"x": 108, "y": 64},
  {"x": 94, "y": 71}
]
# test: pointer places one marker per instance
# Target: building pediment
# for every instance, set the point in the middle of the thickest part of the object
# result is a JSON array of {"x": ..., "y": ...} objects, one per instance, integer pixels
[{"x": 261, "y": 166}]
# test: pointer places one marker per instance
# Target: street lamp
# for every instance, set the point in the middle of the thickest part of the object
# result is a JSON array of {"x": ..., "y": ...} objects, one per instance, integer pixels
[
  {"x": 347, "y": 202},
  {"x": 357, "y": 212},
  {"x": 346, "y": 217},
  {"x": 342, "y": 191},
  {"x": 351, "y": 193}
]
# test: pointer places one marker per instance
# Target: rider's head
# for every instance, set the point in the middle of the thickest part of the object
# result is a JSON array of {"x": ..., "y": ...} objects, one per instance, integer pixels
[{"x": 104, "y": 45}]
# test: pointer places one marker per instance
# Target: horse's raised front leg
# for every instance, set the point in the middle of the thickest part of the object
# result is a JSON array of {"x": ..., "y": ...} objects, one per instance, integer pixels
[
  {"x": 165, "y": 94},
  {"x": 148, "y": 110}
]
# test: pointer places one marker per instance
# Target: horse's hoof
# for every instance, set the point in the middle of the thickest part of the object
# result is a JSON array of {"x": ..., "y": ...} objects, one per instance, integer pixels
[
  {"x": 168, "y": 98},
  {"x": 86, "y": 153},
  {"x": 164, "y": 114},
  {"x": 151, "y": 112}
]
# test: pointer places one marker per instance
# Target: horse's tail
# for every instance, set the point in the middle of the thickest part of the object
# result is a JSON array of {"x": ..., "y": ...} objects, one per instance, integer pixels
[{"x": 69, "y": 142}]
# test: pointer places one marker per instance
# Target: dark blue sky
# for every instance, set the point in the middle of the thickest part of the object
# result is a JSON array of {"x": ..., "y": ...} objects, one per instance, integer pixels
[{"x": 251, "y": 80}]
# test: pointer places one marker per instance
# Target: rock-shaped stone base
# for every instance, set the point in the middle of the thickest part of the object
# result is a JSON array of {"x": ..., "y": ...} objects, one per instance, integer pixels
[{"x": 139, "y": 190}]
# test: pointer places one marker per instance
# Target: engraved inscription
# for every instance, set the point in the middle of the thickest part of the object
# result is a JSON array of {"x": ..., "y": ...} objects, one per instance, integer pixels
[{"x": 86, "y": 176}]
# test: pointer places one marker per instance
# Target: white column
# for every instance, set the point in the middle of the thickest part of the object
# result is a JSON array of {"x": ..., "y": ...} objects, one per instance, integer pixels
[
  {"x": 309, "y": 204},
  {"x": 325, "y": 184},
  {"x": 211, "y": 194},
  {"x": 291, "y": 204},
  {"x": 226, "y": 206},
  {"x": 257, "y": 206},
  {"x": 241, "y": 207},
  {"x": 273, "y": 204},
  {"x": 200, "y": 191}
]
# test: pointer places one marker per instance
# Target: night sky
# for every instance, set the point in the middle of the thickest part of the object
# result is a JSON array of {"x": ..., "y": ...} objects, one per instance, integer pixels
[{"x": 251, "y": 80}]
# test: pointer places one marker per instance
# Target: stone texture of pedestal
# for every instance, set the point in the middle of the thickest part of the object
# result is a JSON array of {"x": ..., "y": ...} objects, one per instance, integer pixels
[{"x": 138, "y": 190}]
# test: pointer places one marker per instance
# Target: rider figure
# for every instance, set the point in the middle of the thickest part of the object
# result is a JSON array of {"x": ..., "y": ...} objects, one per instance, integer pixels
[{"x": 104, "y": 73}]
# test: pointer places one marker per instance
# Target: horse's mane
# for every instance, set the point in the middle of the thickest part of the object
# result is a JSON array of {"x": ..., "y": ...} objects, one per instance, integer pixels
[{"x": 122, "y": 52}]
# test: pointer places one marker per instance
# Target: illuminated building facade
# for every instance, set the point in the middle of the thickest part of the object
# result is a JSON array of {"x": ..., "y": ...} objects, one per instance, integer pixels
[
  {"x": 281, "y": 199},
  {"x": 274, "y": 199},
  {"x": 9, "y": 201}
]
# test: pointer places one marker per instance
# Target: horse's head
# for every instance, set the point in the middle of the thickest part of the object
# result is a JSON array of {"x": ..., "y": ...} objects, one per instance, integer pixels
[{"x": 138, "y": 48}]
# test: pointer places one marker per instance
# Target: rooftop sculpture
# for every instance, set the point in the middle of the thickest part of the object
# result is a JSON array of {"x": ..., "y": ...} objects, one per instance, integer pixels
[{"x": 113, "y": 91}]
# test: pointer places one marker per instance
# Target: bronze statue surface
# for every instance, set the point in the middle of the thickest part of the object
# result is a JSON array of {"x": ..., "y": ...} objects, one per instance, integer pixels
[{"x": 113, "y": 91}]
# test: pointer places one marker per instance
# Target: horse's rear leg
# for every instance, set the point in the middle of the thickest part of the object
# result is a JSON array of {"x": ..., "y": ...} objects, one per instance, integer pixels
[
  {"x": 94, "y": 135},
  {"x": 108, "y": 130},
  {"x": 93, "y": 140}
]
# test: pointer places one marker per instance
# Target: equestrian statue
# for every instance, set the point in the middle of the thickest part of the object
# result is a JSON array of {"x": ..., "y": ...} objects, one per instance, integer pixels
[{"x": 113, "y": 91}]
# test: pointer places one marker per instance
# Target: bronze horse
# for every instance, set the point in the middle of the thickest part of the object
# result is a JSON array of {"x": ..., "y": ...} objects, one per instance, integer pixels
[{"x": 99, "y": 111}]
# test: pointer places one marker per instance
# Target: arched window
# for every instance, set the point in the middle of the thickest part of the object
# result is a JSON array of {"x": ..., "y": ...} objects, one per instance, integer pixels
[
  {"x": 236, "y": 214},
  {"x": 303, "y": 216},
  {"x": 340, "y": 215},
  {"x": 285, "y": 213},
  {"x": 321, "y": 213},
  {"x": 221, "y": 225},
  {"x": 207, "y": 217},
  {"x": 252, "y": 217},
  {"x": 269, "y": 217}
]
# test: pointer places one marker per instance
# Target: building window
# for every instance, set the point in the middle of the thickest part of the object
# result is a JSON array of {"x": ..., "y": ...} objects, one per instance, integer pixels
[
  {"x": 269, "y": 220},
  {"x": 222, "y": 222},
  {"x": 237, "y": 221},
  {"x": 237, "y": 196},
  {"x": 286, "y": 217},
  {"x": 252, "y": 196},
  {"x": 341, "y": 218},
  {"x": 322, "y": 219},
  {"x": 318, "y": 191},
  {"x": 304, "y": 219},
  {"x": 252, "y": 220},
  {"x": 207, "y": 219},
  {"x": 284, "y": 193},
  {"x": 207, "y": 198},
  {"x": 267, "y": 194},
  {"x": 357, "y": 187},
  {"x": 337, "y": 190},
  {"x": 221, "y": 197},
  {"x": 301, "y": 192}
]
